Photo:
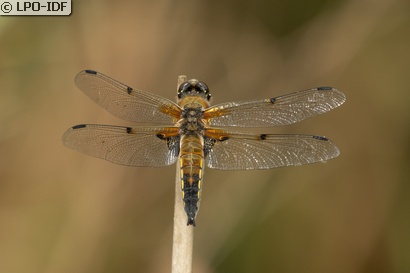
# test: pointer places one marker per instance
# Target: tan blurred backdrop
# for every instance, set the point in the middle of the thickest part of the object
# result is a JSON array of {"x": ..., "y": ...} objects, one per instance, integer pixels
[{"x": 64, "y": 212}]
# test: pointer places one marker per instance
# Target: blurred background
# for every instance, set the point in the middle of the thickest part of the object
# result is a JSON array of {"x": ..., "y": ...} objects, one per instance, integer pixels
[{"x": 62, "y": 211}]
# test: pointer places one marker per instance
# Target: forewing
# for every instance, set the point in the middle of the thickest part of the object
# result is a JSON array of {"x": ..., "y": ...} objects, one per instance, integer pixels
[
  {"x": 243, "y": 151},
  {"x": 131, "y": 146},
  {"x": 281, "y": 110},
  {"x": 125, "y": 102}
]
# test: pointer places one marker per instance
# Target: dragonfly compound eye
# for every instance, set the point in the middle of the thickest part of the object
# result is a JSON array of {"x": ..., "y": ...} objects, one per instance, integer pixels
[
  {"x": 203, "y": 88},
  {"x": 183, "y": 88}
]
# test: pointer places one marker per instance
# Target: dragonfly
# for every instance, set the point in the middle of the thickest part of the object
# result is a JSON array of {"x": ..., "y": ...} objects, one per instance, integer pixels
[{"x": 196, "y": 134}]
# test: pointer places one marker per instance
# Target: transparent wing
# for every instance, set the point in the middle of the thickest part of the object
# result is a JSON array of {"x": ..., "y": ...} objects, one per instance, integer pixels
[
  {"x": 243, "y": 151},
  {"x": 125, "y": 102},
  {"x": 281, "y": 110},
  {"x": 131, "y": 146}
]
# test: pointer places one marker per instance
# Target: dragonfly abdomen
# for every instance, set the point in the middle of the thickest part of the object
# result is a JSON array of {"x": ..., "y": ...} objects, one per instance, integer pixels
[{"x": 191, "y": 163}]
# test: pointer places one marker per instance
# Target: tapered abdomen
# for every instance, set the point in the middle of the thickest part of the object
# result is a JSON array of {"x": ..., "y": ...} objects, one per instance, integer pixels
[{"x": 191, "y": 162}]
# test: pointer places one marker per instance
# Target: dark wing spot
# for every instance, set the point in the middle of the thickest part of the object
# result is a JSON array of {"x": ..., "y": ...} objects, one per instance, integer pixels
[
  {"x": 129, "y": 90},
  {"x": 262, "y": 136},
  {"x": 223, "y": 138},
  {"x": 324, "y": 88},
  {"x": 129, "y": 130},
  {"x": 321, "y": 138},
  {"x": 91, "y": 72},
  {"x": 272, "y": 100},
  {"x": 161, "y": 136},
  {"x": 79, "y": 126}
]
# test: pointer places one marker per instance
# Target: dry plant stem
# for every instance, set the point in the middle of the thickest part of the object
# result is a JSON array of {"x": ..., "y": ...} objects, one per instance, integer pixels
[{"x": 183, "y": 235}]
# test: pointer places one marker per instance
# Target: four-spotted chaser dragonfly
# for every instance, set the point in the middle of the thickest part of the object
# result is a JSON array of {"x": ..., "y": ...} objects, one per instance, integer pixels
[{"x": 195, "y": 133}]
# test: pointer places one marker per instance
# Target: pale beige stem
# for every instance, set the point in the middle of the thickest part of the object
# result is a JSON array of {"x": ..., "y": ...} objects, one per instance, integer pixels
[{"x": 183, "y": 235}]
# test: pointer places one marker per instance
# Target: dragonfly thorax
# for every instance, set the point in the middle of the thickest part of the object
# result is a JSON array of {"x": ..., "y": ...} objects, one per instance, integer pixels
[
  {"x": 191, "y": 119},
  {"x": 192, "y": 111}
]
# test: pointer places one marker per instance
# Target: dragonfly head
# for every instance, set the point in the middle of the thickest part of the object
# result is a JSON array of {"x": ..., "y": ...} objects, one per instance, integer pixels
[{"x": 194, "y": 87}]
